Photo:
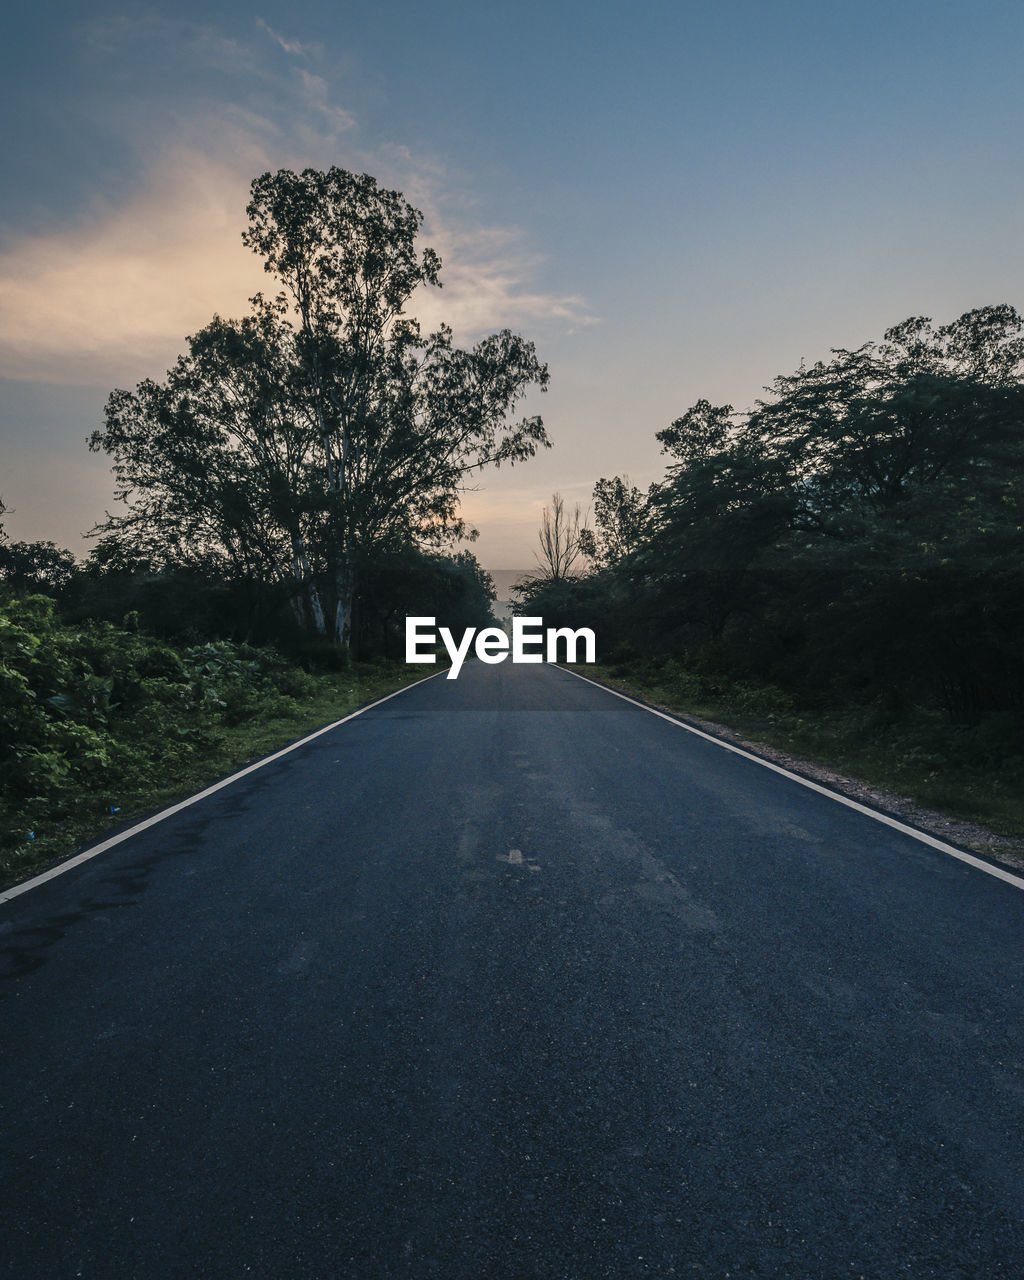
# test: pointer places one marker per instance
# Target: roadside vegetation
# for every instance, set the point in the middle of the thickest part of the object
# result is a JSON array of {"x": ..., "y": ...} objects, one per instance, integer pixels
[
  {"x": 103, "y": 724},
  {"x": 838, "y": 571}
]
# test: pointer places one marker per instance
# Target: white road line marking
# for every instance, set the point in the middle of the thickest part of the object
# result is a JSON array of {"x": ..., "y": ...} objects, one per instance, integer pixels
[
  {"x": 989, "y": 868},
  {"x": 97, "y": 849},
  {"x": 515, "y": 857}
]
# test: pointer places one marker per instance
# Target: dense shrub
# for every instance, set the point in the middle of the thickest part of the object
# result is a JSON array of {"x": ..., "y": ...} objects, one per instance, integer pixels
[{"x": 92, "y": 713}]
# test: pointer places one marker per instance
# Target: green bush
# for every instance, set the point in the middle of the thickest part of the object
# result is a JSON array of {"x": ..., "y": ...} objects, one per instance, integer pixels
[{"x": 95, "y": 718}]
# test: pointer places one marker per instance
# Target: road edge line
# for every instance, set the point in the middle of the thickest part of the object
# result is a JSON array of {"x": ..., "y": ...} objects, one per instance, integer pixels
[
  {"x": 94, "y": 850},
  {"x": 1000, "y": 873}
]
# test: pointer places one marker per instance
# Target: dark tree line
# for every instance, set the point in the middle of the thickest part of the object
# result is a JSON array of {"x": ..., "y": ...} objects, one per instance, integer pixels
[
  {"x": 857, "y": 535},
  {"x": 192, "y": 603}
]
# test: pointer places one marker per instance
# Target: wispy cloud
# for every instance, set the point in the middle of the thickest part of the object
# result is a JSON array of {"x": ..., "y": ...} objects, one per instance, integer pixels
[
  {"x": 316, "y": 92},
  {"x": 489, "y": 281},
  {"x": 298, "y": 48},
  {"x": 111, "y": 298},
  {"x": 490, "y": 273},
  {"x": 180, "y": 41}
]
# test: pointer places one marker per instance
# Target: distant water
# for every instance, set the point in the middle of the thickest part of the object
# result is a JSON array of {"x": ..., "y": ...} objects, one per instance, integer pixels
[{"x": 503, "y": 580}]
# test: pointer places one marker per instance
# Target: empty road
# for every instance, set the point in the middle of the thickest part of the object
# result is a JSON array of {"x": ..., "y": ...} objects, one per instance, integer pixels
[{"x": 508, "y": 979}]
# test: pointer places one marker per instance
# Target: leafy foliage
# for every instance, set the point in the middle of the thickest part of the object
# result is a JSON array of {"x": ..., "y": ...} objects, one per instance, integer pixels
[
  {"x": 93, "y": 715},
  {"x": 37, "y": 566},
  {"x": 856, "y": 538},
  {"x": 291, "y": 447},
  {"x": 620, "y": 519}
]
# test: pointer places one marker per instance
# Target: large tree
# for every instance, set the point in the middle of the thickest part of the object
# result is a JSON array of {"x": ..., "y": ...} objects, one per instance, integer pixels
[
  {"x": 862, "y": 524},
  {"x": 299, "y": 442}
]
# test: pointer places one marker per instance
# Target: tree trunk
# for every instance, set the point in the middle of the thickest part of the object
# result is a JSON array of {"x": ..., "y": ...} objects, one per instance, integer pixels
[
  {"x": 344, "y": 586},
  {"x": 308, "y": 598}
]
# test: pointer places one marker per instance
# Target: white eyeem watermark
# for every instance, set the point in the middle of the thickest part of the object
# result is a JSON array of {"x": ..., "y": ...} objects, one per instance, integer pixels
[{"x": 530, "y": 642}]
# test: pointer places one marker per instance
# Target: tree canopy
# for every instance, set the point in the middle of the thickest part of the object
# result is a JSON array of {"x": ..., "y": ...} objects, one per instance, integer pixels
[
  {"x": 294, "y": 445},
  {"x": 858, "y": 533}
]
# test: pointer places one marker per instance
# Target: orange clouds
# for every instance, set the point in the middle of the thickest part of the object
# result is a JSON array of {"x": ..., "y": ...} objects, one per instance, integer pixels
[{"x": 113, "y": 298}]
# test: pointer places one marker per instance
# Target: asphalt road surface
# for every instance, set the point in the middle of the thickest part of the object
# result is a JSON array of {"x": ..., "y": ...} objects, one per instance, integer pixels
[{"x": 507, "y": 979}]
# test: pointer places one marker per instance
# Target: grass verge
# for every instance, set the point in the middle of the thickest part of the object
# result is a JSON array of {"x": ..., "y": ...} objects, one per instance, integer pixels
[
  {"x": 974, "y": 774},
  {"x": 117, "y": 800}
]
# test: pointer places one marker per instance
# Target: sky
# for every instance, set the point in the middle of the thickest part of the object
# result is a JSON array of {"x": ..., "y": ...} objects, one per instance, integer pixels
[{"x": 674, "y": 201}]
